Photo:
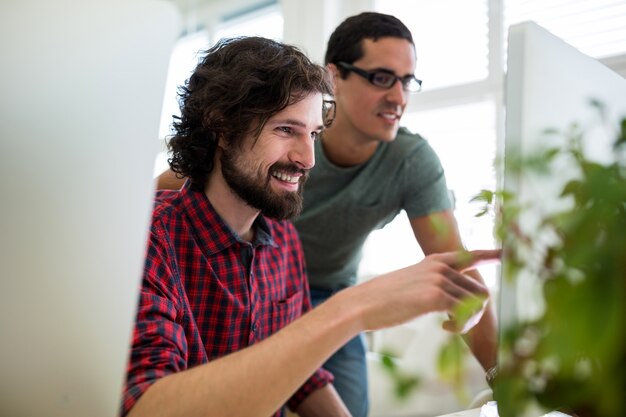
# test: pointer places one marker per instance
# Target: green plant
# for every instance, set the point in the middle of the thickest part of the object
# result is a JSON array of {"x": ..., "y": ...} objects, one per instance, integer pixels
[
  {"x": 572, "y": 355},
  {"x": 403, "y": 383},
  {"x": 450, "y": 365},
  {"x": 450, "y": 368}
]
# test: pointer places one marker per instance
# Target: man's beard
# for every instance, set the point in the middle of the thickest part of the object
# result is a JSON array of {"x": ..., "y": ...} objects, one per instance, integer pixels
[{"x": 257, "y": 192}]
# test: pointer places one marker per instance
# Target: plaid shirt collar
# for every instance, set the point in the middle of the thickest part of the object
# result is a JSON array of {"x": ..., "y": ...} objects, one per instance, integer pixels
[{"x": 210, "y": 230}]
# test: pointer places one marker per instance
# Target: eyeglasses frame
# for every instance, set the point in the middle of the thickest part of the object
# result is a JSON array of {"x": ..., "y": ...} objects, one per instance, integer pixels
[{"x": 370, "y": 75}]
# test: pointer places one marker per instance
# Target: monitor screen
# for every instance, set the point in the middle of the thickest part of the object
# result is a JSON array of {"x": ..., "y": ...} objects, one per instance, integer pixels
[
  {"x": 549, "y": 86},
  {"x": 82, "y": 90}
]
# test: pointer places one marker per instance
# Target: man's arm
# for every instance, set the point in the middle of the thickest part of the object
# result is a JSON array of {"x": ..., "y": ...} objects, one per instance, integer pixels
[
  {"x": 168, "y": 180},
  {"x": 324, "y": 402},
  {"x": 439, "y": 232},
  {"x": 259, "y": 379}
]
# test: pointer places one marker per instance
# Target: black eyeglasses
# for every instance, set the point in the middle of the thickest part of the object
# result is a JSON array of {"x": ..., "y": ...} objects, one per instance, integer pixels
[{"x": 385, "y": 78}]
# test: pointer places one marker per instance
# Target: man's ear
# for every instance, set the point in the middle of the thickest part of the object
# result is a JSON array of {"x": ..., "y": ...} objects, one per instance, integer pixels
[
  {"x": 212, "y": 121},
  {"x": 333, "y": 74},
  {"x": 221, "y": 142}
]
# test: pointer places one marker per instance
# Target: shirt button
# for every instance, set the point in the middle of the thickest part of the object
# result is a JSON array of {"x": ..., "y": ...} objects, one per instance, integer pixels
[{"x": 254, "y": 327}]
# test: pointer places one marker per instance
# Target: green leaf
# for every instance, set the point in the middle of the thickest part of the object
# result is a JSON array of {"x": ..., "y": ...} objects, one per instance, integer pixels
[
  {"x": 404, "y": 383},
  {"x": 467, "y": 308},
  {"x": 550, "y": 131},
  {"x": 451, "y": 364},
  {"x": 598, "y": 105},
  {"x": 440, "y": 226},
  {"x": 621, "y": 136},
  {"x": 388, "y": 362},
  {"x": 485, "y": 196}
]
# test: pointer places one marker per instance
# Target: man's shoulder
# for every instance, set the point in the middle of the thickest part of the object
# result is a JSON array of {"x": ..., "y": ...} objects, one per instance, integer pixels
[
  {"x": 166, "y": 204},
  {"x": 406, "y": 145},
  {"x": 407, "y": 138}
]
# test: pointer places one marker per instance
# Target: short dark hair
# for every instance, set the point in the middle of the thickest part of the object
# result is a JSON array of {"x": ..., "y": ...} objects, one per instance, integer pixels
[
  {"x": 346, "y": 42},
  {"x": 240, "y": 82}
]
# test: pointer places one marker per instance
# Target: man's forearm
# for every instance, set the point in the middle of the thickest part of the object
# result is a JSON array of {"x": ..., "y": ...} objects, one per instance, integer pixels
[
  {"x": 483, "y": 338},
  {"x": 257, "y": 380}
]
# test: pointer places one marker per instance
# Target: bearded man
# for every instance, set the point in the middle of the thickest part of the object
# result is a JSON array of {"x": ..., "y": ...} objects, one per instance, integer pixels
[
  {"x": 221, "y": 328},
  {"x": 223, "y": 270}
]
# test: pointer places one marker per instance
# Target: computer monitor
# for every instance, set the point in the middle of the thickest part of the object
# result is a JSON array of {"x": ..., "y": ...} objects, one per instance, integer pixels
[
  {"x": 549, "y": 85},
  {"x": 82, "y": 90}
]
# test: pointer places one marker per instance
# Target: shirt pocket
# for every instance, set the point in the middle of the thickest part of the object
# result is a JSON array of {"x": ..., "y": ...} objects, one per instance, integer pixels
[{"x": 285, "y": 311}]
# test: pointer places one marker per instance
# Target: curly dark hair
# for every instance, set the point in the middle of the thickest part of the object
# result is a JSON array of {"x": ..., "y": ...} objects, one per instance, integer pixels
[
  {"x": 346, "y": 42},
  {"x": 237, "y": 87}
]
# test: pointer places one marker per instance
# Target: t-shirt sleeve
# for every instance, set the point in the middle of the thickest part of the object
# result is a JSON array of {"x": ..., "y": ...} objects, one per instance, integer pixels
[
  {"x": 158, "y": 346},
  {"x": 424, "y": 182}
]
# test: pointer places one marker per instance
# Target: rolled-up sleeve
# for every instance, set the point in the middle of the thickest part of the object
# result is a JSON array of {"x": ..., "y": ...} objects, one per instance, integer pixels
[
  {"x": 158, "y": 347},
  {"x": 319, "y": 379}
]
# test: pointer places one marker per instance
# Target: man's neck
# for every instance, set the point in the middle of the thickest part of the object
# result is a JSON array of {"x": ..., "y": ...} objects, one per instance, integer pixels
[
  {"x": 238, "y": 215},
  {"x": 346, "y": 148}
]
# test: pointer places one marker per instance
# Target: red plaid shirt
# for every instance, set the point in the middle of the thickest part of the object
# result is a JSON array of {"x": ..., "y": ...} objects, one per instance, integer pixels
[{"x": 207, "y": 293}]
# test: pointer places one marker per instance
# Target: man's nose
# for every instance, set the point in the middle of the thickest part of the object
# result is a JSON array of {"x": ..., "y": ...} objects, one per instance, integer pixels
[
  {"x": 303, "y": 153},
  {"x": 397, "y": 94}
]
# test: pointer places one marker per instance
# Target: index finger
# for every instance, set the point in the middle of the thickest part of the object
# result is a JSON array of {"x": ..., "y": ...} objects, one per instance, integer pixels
[{"x": 464, "y": 260}]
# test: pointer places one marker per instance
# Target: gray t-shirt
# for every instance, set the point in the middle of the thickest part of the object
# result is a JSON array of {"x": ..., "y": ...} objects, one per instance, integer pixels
[{"x": 343, "y": 205}]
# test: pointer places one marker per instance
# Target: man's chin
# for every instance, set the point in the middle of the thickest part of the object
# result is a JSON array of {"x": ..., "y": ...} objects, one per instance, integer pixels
[
  {"x": 391, "y": 134},
  {"x": 283, "y": 213},
  {"x": 282, "y": 205}
]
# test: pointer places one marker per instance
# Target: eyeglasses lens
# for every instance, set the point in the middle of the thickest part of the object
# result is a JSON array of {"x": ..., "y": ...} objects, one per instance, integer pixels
[{"x": 329, "y": 110}]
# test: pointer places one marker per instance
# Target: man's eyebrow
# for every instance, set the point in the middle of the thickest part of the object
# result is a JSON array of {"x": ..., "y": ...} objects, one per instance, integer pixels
[
  {"x": 391, "y": 72},
  {"x": 292, "y": 122}
]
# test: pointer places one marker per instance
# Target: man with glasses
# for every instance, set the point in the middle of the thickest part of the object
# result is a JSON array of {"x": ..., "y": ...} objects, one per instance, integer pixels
[{"x": 368, "y": 169}]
